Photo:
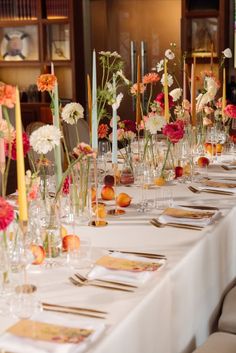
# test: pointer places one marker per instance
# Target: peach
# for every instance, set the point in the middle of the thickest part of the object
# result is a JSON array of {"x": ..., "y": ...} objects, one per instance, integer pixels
[
  {"x": 210, "y": 148},
  {"x": 123, "y": 200},
  {"x": 38, "y": 253},
  {"x": 70, "y": 242},
  {"x": 179, "y": 171},
  {"x": 203, "y": 162},
  {"x": 107, "y": 193},
  {"x": 109, "y": 180}
]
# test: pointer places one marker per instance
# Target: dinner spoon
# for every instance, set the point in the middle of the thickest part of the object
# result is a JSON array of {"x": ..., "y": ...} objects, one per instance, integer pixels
[
  {"x": 220, "y": 192},
  {"x": 79, "y": 283}
]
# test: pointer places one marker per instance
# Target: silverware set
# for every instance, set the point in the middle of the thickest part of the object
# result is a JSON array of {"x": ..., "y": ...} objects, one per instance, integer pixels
[
  {"x": 156, "y": 223},
  {"x": 112, "y": 285},
  {"x": 93, "y": 313},
  {"x": 210, "y": 191}
]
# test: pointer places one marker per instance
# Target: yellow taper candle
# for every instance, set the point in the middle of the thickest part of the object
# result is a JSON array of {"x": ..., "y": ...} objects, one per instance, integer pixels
[
  {"x": 22, "y": 199},
  {"x": 138, "y": 112},
  {"x": 193, "y": 93},
  {"x": 166, "y": 94},
  {"x": 224, "y": 92}
]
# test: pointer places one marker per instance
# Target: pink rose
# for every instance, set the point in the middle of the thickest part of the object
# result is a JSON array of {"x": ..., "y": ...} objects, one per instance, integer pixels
[
  {"x": 174, "y": 131},
  {"x": 230, "y": 111}
]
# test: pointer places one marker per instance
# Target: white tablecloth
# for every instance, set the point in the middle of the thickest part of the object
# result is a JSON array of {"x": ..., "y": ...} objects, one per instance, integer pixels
[{"x": 175, "y": 310}]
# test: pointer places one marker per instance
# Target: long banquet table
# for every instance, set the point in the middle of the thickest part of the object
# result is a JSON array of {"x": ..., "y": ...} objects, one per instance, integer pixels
[{"x": 177, "y": 308}]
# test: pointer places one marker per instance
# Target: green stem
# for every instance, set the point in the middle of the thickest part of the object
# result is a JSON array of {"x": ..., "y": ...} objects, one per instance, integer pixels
[{"x": 167, "y": 153}]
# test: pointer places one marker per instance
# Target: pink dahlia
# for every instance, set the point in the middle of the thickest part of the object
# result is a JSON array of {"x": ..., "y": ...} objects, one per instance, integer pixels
[{"x": 6, "y": 214}]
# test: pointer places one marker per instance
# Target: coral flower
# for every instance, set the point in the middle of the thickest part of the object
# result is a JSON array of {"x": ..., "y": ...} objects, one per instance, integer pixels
[
  {"x": 230, "y": 111},
  {"x": 7, "y": 95},
  {"x": 102, "y": 131},
  {"x": 26, "y": 146},
  {"x": 174, "y": 131},
  {"x": 6, "y": 214},
  {"x": 151, "y": 78},
  {"x": 46, "y": 82},
  {"x": 134, "y": 88}
]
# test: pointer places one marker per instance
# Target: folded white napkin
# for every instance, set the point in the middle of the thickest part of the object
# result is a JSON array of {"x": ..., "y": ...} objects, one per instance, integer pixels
[
  {"x": 220, "y": 188},
  {"x": 203, "y": 222},
  {"x": 10, "y": 342},
  {"x": 135, "y": 278}
]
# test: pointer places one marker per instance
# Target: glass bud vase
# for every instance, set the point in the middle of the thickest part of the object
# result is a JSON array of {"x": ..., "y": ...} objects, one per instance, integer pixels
[
  {"x": 52, "y": 236},
  {"x": 127, "y": 172}
]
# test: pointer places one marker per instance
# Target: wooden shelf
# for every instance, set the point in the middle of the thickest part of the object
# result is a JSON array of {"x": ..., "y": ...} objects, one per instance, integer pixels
[{"x": 49, "y": 40}]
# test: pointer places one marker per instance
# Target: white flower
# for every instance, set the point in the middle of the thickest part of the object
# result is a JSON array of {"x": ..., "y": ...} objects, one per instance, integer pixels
[
  {"x": 170, "y": 80},
  {"x": 160, "y": 66},
  {"x": 117, "y": 102},
  {"x": 169, "y": 54},
  {"x": 45, "y": 139},
  {"x": 176, "y": 94},
  {"x": 211, "y": 90},
  {"x": 122, "y": 76},
  {"x": 155, "y": 123},
  {"x": 227, "y": 53},
  {"x": 109, "y": 54},
  {"x": 72, "y": 112}
]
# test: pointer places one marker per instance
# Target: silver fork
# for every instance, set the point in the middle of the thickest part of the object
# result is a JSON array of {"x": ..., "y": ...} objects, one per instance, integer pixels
[
  {"x": 155, "y": 222},
  {"x": 220, "y": 192},
  {"x": 79, "y": 283},
  {"x": 87, "y": 280}
]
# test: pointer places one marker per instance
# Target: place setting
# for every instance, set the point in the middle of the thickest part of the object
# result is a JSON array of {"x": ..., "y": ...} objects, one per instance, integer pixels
[{"x": 186, "y": 217}]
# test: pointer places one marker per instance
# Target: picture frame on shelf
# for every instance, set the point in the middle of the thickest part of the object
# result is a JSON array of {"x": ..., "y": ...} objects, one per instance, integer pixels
[
  {"x": 204, "y": 35},
  {"x": 60, "y": 50}
]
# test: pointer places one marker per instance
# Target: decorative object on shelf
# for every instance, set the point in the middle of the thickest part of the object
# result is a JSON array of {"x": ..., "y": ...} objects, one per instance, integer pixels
[
  {"x": 60, "y": 50},
  {"x": 14, "y": 46}
]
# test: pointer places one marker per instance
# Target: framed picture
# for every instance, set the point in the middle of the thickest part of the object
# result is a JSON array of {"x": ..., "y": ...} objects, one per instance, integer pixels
[
  {"x": 204, "y": 35},
  {"x": 60, "y": 50}
]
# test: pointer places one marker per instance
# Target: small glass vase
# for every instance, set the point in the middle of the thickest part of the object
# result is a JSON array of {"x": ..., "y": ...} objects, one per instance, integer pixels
[
  {"x": 52, "y": 242},
  {"x": 127, "y": 172}
]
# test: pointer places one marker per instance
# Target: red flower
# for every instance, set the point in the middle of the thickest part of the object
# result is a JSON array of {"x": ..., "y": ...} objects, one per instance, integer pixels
[
  {"x": 102, "y": 131},
  {"x": 66, "y": 185},
  {"x": 174, "y": 131},
  {"x": 6, "y": 214},
  {"x": 160, "y": 99},
  {"x": 230, "y": 111},
  {"x": 128, "y": 125},
  {"x": 26, "y": 146}
]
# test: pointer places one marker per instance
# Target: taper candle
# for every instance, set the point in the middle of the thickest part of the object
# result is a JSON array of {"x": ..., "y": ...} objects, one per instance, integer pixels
[
  {"x": 94, "y": 106},
  {"x": 56, "y": 122},
  {"x": 22, "y": 199},
  {"x": 114, "y": 125},
  {"x": 224, "y": 92},
  {"x": 2, "y": 148},
  {"x": 184, "y": 79},
  {"x": 89, "y": 97},
  {"x": 166, "y": 94},
  {"x": 52, "y": 68},
  {"x": 212, "y": 53},
  {"x": 193, "y": 93},
  {"x": 138, "y": 112}
]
